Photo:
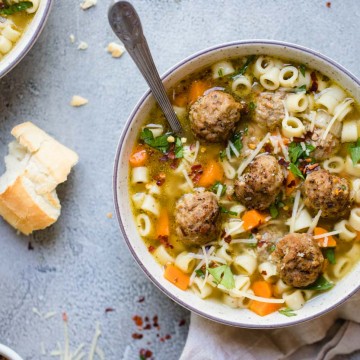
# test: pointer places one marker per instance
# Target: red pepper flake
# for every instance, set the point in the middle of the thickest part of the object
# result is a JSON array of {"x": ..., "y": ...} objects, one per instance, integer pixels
[
  {"x": 164, "y": 240},
  {"x": 141, "y": 299},
  {"x": 145, "y": 354},
  {"x": 146, "y": 319},
  {"x": 138, "y": 320},
  {"x": 291, "y": 184},
  {"x": 228, "y": 239},
  {"x": 147, "y": 327},
  {"x": 268, "y": 148},
  {"x": 174, "y": 164},
  {"x": 196, "y": 171},
  {"x": 328, "y": 4},
  {"x": 151, "y": 249},
  {"x": 109, "y": 309},
  {"x": 314, "y": 85},
  {"x": 160, "y": 178},
  {"x": 264, "y": 272},
  {"x": 30, "y": 247},
  {"x": 298, "y": 139},
  {"x": 65, "y": 317},
  {"x": 167, "y": 337},
  {"x": 283, "y": 162},
  {"x": 155, "y": 321},
  {"x": 162, "y": 339},
  {"x": 137, "y": 336}
]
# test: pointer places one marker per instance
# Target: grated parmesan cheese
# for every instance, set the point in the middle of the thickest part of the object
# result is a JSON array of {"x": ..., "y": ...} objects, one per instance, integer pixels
[
  {"x": 240, "y": 293},
  {"x": 82, "y": 45},
  {"x": 187, "y": 178},
  {"x": 314, "y": 223},
  {"x": 294, "y": 211},
  {"x": 335, "y": 232}
]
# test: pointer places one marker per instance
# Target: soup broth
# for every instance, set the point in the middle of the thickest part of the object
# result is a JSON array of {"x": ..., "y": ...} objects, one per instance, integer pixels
[{"x": 256, "y": 203}]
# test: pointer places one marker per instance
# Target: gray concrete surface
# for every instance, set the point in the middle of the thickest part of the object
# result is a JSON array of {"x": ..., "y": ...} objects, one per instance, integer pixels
[{"x": 81, "y": 265}]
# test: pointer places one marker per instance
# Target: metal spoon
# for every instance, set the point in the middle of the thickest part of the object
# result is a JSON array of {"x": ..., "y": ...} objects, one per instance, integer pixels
[{"x": 126, "y": 24}]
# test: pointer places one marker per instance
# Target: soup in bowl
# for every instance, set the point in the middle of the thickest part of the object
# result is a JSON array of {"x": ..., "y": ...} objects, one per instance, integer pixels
[{"x": 250, "y": 217}]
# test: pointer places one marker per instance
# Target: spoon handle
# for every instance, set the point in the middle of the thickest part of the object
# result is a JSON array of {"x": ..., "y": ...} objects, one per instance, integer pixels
[{"x": 126, "y": 24}]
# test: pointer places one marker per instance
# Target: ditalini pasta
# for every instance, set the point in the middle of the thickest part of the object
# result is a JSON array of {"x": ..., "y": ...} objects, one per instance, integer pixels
[{"x": 256, "y": 204}]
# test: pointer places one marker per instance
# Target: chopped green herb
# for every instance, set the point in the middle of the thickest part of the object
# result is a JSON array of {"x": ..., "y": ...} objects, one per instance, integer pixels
[
  {"x": 215, "y": 188},
  {"x": 302, "y": 69},
  {"x": 199, "y": 273},
  {"x": 15, "y": 8},
  {"x": 142, "y": 357},
  {"x": 320, "y": 284},
  {"x": 246, "y": 130},
  {"x": 296, "y": 171},
  {"x": 223, "y": 276},
  {"x": 220, "y": 72},
  {"x": 296, "y": 151},
  {"x": 236, "y": 140},
  {"x": 271, "y": 248},
  {"x": 287, "y": 312},
  {"x": 222, "y": 155},
  {"x": 301, "y": 88},
  {"x": 160, "y": 142},
  {"x": 330, "y": 255},
  {"x": 252, "y": 106},
  {"x": 226, "y": 211},
  {"x": 243, "y": 69},
  {"x": 179, "y": 149},
  {"x": 274, "y": 212},
  {"x": 354, "y": 150}
]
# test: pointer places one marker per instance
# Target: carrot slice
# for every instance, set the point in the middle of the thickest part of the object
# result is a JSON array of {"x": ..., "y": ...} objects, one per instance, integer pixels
[
  {"x": 162, "y": 225},
  {"x": 197, "y": 89},
  {"x": 263, "y": 308},
  {"x": 213, "y": 172},
  {"x": 139, "y": 157},
  {"x": 180, "y": 100},
  {"x": 262, "y": 288},
  {"x": 292, "y": 182},
  {"x": 176, "y": 277},
  {"x": 328, "y": 241},
  {"x": 253, "y": 219}
]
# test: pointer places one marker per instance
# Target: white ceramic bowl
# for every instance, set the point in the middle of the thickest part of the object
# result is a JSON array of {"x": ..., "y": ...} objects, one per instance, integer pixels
[
  {"x": 8, "y": 353},
  {"x": 208, "y": 308},
  {"x": 28, "y": 39}
]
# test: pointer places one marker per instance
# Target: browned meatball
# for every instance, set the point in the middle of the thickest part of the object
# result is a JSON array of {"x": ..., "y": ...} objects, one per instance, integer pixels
[
  {"x": 267, "y": 237},
  {"x": 197, "y": 218},
  {"x": 261, "y": 183},
  {"x": 325, "y": 148},
  {"x": 270, "y": 110},
  {"x": 328, "y": 193},
  {"x": 214, "y": 116},
  {"x": 299, "y": 259}
]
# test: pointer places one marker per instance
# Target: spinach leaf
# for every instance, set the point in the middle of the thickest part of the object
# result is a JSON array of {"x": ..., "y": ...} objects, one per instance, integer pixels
[
  {"x": 223, "y": 276},
  {"x": 274, "y": 212},
  {"x": 330, "y": 255},
  {"x": 354, "y": 150},
  {"x": 296, "y": 151},
  {"x": 179, "y": 149},
  {"x": 296, "y": 171},
  {"x": 14, "y": 8},
  {"x": 301, "y": 88},
  {"x": 320, "y": 284},
  {"x": 160, "y": 142}
]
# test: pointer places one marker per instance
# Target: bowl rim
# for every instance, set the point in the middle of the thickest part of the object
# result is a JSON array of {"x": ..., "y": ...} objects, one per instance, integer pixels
[
  {"x": 117, "y": 161},
  {"x": 31, "y": 41},
  {"x": 10, "y": 353}
]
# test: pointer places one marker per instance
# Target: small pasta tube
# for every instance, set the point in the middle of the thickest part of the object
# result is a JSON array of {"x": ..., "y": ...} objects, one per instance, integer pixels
[
  {"x": 185, "y": 262},
  {"x": 229, "y": 171},
  {"x": 335, "y": 164},
  {"x": 230, "y": 301},
  {"x": 280, "y": 287},
  {"x": 302, "y": 221},
  {"x": 241, "y": 85},
  {"x": 270, "y": 80},
  {"x": 342, "y": 267},
  {"x": 150, "y": 205},
  {"x": 262, "y": 65},
  {"x": 223, "y": 254},
  {"x": 268, "y": 271},
  {"x": 343, "y": 109},
  {"x": 242, "y": 282},
  {"x": 304, "y": 80},
  {"x": 294, "y": 300},
  {"x": 138, "y": 199},
  {"x": 143, "y": 225},
  {"x": 297, "y": 102},
  {"x": 162, "y": 256},
  {"x": 346, "y": 233},
  {"x": 238, "y": 209},
  {"x": 245, "y": 264},
  {"x": 288, "y": 76},
  {"x": 307, "y": 294},
  {"x": 349, "y": 132},
  {"x": 5, "y": 45},
  {"x": 140, "y": 175},
  {"x": 243, "y": 301},
  {"x": 201, "y": 289},
  {"x": 11, "y": 34},
  {"x": 311, "y": 101},
  {"x": 355, "y": 184},
  {"x": 222, "y": 68},
  {"x": 350, "y": 168},
  {"x": 331, "y": 98},
  {"x": 354, "y": 252},
  {"x": 354, "y": 219},
  {"x": 156, "y": 129},
  {"x": 292, "y": 126},
  {"x": 180, "y": 112},
  {"x": 153, "y": 189}
]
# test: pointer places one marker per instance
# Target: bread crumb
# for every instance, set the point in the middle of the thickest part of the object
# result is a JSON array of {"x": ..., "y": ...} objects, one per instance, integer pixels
[
  {"x": 87, "y": 4},
  {"x": 83, "y": 45},
  {"x": 109, "y": 215},
  {"x": 72, "y": 38},
  {"x": 115, "y": 49},
  {"x": 78, "y": 100}
]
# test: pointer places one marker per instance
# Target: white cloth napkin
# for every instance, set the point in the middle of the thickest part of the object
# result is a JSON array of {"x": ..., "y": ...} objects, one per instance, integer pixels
[{"x": 336, "y": 333}]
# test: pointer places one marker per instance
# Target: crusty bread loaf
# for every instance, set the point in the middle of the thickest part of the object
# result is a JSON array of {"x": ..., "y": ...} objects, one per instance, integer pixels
[{"x": 35, "y": 165}]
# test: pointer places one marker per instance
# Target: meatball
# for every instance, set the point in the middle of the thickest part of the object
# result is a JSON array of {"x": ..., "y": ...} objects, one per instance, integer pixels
[
  {"x": 267, "y": 237},
  {"x": 325, "y": 148},
  {"x": 328, "y": 193},
  {"x": 261, "y": 183},
  {"x": 197, "y": 218},
  {"x": 299, "y": 259},
  {"x": 214, "y": 116},
  {"x": 270, "y": 110}
]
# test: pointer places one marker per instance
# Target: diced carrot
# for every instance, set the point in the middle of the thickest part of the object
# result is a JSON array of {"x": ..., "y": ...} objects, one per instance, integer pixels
[
  {"x": 180, "y": 100},
  {"x": 139, "y": 157},
  {"x": 292, "y": 182},
  {"x": 327, "y": 241},
  {"x": 176, "y": 277},
  {"x": 253, "y": 219},
  {"x": 263, "y": 308},
  {"x": 285, "y": 140},
  {"x": 197, "y": 89},
  {"x": 262, "y": 288},
  {"x": 162, "y": 225},
  {"x": 212, "y": 172},
  {"x": 357, "y": 238}
]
